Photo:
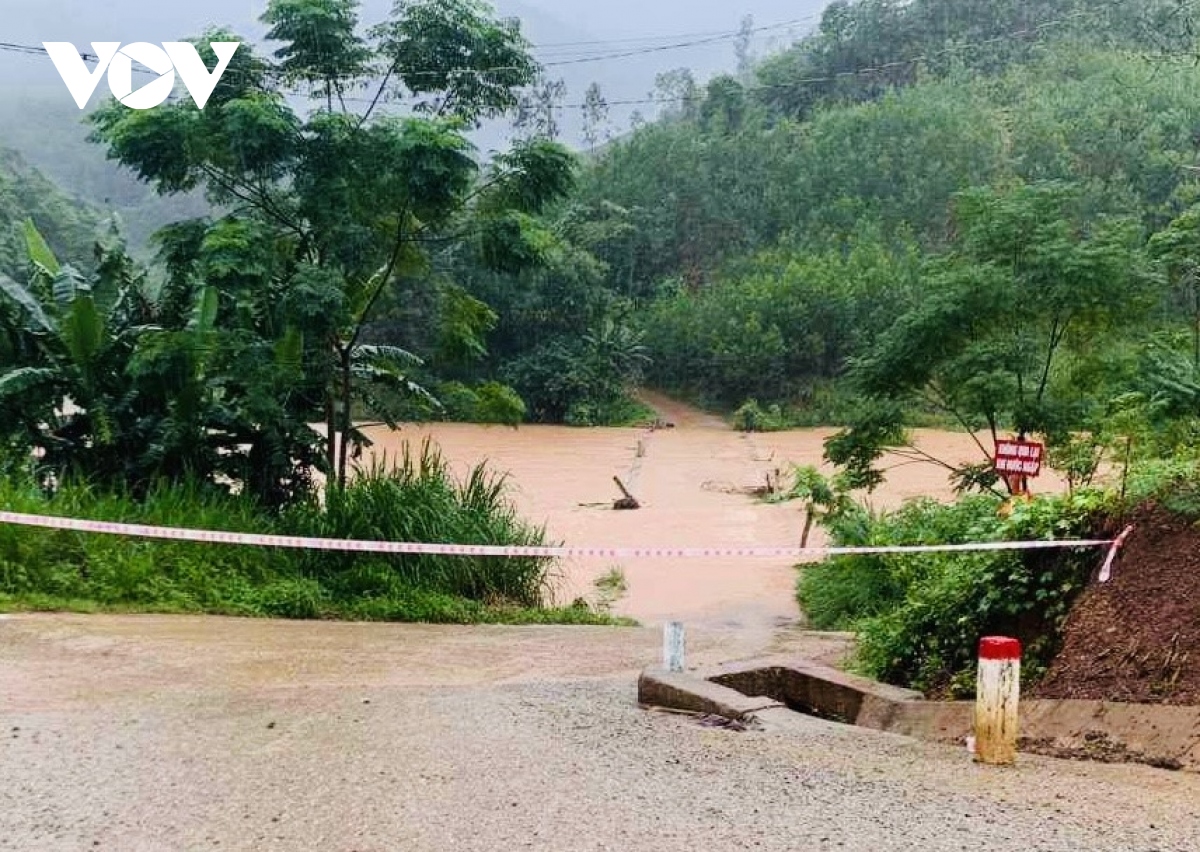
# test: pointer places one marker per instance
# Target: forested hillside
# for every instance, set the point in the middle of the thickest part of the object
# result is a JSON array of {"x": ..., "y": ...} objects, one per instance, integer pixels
[
  {"x": 756, "y": 242},
  {"x": 48, "y": 131},
  {"x": 778, "y": 227},
  {"x": 68, "y": 224}
]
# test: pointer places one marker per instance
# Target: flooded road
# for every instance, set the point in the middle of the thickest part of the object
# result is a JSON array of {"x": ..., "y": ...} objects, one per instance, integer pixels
[
  {"x": 693, "y": 482},
  {"x": 142, "y": 732}
]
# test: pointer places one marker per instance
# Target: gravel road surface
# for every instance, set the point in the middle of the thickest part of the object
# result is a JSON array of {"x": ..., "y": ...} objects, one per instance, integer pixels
[{"x": 146, "y": 733}]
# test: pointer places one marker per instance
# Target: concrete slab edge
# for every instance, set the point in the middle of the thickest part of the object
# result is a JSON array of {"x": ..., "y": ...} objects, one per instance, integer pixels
[
  {"x": 1163, "y": 736},
  {"x": 681, "y": 691}
]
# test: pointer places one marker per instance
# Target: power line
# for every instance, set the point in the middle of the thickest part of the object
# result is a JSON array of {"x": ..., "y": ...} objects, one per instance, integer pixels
[
  {"x": 875, "y": 70},
  {"x": 640, "y": 39},
  {"x": 1020, "y": 34},
  {"x": 581, "y": 53},
  {"x": 678, "y": 45},
  {"x": 681, "y": 45},
  {"x": 24, "y": 48}
]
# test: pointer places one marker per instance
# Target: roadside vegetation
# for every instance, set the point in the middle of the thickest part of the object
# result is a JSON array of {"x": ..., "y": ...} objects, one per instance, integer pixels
[
  {"x": 415, "y": 498},
  {"x": 919, "y": 617}
]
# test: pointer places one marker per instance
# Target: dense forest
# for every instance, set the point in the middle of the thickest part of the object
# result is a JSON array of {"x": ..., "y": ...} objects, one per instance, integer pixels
[
  {"x": 753, "y": 242},
  {"x": 980, "y": 213}
]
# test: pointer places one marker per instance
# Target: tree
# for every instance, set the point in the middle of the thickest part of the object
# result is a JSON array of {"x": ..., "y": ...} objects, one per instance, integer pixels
[
  {"x": 328, "y": 210},
  {"x": 1030, "y": 284},
  {"x": 64, "y": 387},
  {"x": 537, "y": 114},
  {"x": 723, "y": 109},
  {"x": 676, "y": 90},
  {"x": 595, "y": 115},
  {"x": 1177, "y": 248},
  {"x": 112, "y": 379},
  {"x": 741, "y": 45},
  {"x": 864, "y": 49}
]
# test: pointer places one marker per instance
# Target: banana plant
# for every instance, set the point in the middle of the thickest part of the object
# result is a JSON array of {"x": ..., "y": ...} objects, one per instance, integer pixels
[{"x": 70, "y": 386}]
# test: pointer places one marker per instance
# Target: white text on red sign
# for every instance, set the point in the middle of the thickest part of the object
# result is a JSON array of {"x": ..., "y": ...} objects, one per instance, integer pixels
[{"x": 1021, "y": 458}]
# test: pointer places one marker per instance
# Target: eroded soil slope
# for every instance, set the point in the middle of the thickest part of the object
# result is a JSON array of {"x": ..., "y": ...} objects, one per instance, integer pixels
[{"x": 1137, "y": 637}]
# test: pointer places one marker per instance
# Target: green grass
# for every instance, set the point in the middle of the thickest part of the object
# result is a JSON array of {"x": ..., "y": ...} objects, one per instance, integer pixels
[
  {"x": 610, "y": 587},
  {"x": 415, "y": 500}
]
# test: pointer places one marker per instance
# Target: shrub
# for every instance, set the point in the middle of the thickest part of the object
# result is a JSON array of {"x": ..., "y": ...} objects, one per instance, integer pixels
[
  {"x": 920, "y": 617},
  {"x": 490, "y": 402},
  {"x": 752, "y": 418}
]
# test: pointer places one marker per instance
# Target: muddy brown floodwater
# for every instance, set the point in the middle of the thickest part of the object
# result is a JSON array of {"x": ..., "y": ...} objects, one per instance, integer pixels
[{"x": 693, "y": 482}]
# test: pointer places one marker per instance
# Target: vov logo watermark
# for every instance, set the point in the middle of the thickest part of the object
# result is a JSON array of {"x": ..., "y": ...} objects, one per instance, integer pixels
[{"x": 173, "y": 57}]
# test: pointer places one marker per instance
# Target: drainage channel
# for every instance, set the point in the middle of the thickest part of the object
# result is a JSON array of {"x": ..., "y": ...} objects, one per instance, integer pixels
[
  {"x": 1161, "y": 736},
  {"x": 798, "y": 691}
]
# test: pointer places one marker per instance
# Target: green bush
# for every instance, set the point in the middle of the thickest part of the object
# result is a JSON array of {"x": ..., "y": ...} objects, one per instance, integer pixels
[
  {"x": 620, "y": 410},
  {"x": 1173, "y": 483},
  {"x": 416, "y": 500},
  {"x": 752, "y": 418},
  {"x": 583, "y": 380},
  {"x": 920, "y": 617},
  {"x": 490, "y": 402}
]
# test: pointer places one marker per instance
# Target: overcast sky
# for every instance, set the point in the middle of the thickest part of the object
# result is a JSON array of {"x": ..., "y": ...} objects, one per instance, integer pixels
[
  {"x": 158, "y": 20},
  {"x": 548, "y": 23},
  {"x": 556, "y": 27}
]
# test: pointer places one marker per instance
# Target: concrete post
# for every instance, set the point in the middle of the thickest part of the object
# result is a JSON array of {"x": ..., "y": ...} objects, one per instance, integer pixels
[
  {"x": 673, "y": 646},
  {"x": 998, "y": 691}
]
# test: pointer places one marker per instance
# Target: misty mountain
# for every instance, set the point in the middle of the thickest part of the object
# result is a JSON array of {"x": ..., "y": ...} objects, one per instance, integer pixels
[
  {"x": 68, "y": 224},
  {"x": 621, "y": 45}
]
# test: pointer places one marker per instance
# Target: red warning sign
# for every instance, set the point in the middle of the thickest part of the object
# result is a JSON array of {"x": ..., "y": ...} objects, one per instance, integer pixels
[{"x": 1019, "y": 458}]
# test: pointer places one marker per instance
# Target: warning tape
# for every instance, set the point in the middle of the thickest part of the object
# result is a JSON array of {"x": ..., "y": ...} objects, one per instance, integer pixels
[
  {"x": 1106, "y": 571},
  {"x": 427, "y": 548}
]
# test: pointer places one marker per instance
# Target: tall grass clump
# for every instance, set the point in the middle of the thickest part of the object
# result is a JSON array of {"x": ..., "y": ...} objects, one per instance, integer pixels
[
  {"x": 418, "y": 499},
  {"x": 42, "y": 565}
]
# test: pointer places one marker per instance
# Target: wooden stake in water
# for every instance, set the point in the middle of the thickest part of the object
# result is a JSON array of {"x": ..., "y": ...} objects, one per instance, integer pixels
[
  {"x": 998, "y": 691},
  {"x": 673, "y": 646}
]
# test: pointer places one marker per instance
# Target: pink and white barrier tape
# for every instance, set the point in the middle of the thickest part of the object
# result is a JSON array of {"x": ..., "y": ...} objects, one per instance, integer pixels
[
  {"x": 1106, "y": 571},
  {"x": 397, "y": 547}
]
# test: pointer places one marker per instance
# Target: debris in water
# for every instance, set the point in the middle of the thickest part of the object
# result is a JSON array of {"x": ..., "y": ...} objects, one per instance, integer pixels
[{"x": 628, "y": 501}]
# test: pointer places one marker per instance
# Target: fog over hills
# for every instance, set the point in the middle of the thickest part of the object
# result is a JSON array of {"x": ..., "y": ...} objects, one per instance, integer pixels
[{"x": 578, "y": 42}]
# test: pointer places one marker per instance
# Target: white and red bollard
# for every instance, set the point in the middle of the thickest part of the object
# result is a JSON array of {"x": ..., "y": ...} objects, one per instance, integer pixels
[{"x": 998, "y": 691}]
